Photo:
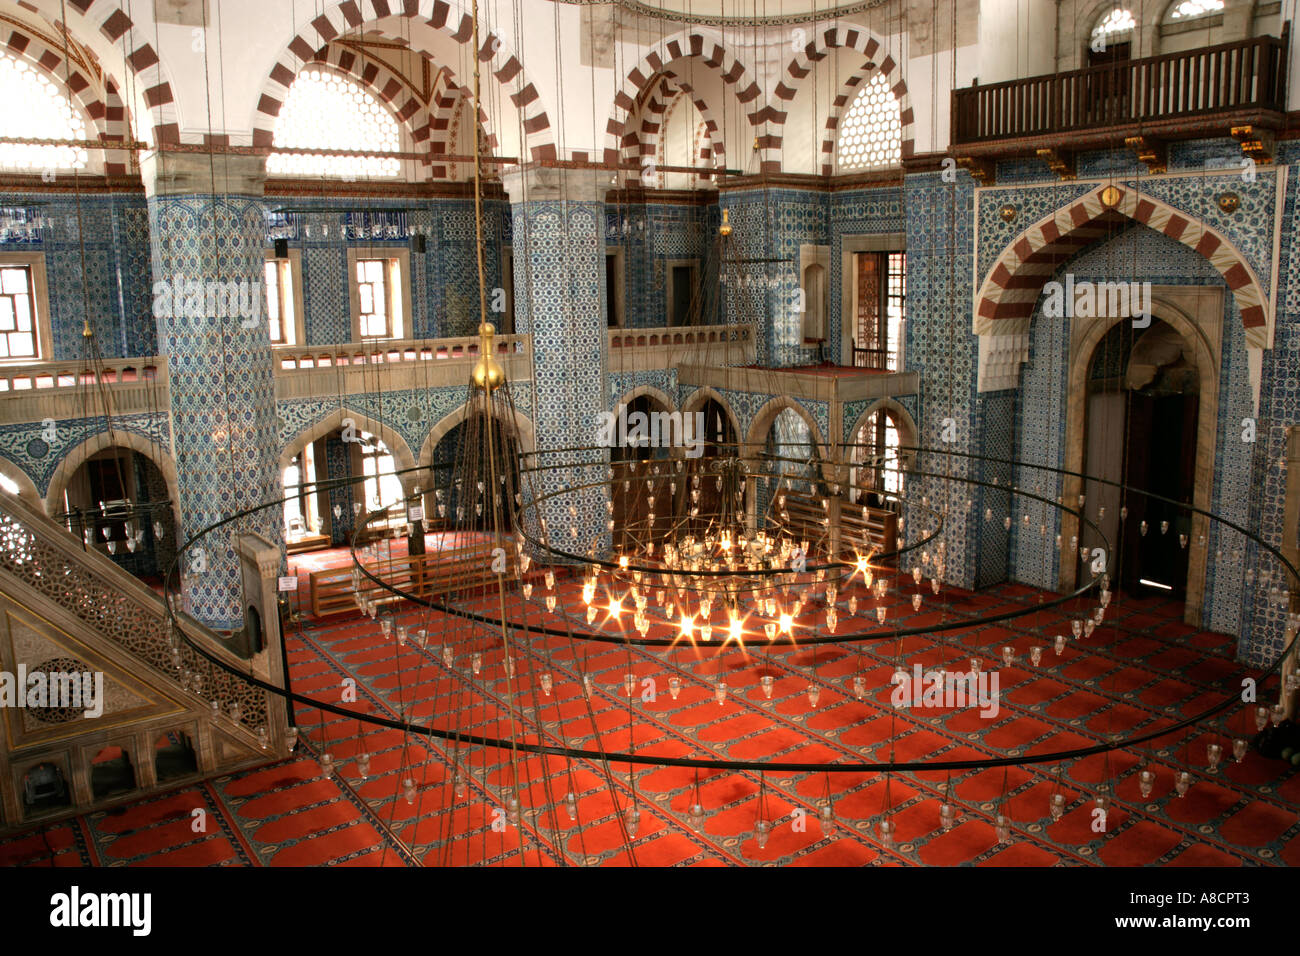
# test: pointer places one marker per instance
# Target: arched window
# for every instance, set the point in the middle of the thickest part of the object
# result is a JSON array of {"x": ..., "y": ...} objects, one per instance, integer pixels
[
  {"x": 1114, "y": 26},
  {"x": 35, "y": 109},
  {"x": 877, "y": 456},
  {"x": 1189, "y": 9},
  {"x": 327, "y": 111},
  {"x": 871, "y": 129}
]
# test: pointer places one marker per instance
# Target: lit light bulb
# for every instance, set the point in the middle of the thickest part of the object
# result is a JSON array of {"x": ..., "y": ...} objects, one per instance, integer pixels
[
  {"x": 766, "y": 682},
  {"x": 632, "y": 819},
  {"x": 916, "y": 602},
  {"x": 459, "y": 783},
  {"x": 476, "y": 663},
  {"x": 1058, "y": 644},
  {"x": 814, "y": 695},
  {"x": 887, "y": 832},
  {"x": 762, "y": 829},
  {"x": 947, "y": 815},
  {"x": 408, "y": 790},
  {"x": 1003, "y": 828},
  {"x": 1057, "y": 806},
  {"x": 547, "y": 683},
  {"x": 327, "y": 764},
  {"x": 1182, "y": 783},
  {"x": 1213, "y": 754},
  {"x": 674, "y": 687},
  {"x": 363, "y": 765},
  {"x": 696, "y": 817},
  {"x": 1035, "y": 655},
  {"x": 1146, "y": 782},
  {"x": 1008, "y": 655},
  {"x": 859, "y": 687},
  {"x": 571, "y": 805},
  {"x": 720, "y": 692},
  {"x": 1239, "y": 749}
]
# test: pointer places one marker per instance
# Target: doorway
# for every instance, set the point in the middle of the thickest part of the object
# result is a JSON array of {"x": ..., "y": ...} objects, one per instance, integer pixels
[{"x": 1142, "y": 430}]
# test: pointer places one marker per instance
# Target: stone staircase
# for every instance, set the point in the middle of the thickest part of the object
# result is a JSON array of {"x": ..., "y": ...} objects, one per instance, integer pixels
[{"x": 166, "y": 714}]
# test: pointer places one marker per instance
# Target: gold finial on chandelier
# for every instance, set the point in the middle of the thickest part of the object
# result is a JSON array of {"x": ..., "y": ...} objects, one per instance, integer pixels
[{"x": 488, "y": 373}]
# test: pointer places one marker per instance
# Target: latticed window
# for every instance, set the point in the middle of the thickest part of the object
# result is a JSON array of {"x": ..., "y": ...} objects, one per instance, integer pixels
[
  {"x": 327, "y": 111},
  {"x": 871, "y": 129},
  {"x": 35, "y": 109},
  {"x": 1114, "y": 24},
  {"x": 1193, "y": 8}
]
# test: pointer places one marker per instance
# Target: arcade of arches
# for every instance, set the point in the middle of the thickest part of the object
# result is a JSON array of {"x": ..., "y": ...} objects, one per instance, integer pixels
[{"x": 631, "y": 435}]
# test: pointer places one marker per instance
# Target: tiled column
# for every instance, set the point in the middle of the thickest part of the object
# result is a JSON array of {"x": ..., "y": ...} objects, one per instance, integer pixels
[
  {"x": 558, "y": 221},
  {"x": 219, "y": 368},
  {"x": 749, "y": 288}
]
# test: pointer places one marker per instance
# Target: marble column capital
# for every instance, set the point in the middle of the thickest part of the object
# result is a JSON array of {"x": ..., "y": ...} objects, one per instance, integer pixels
[
  {"x": 180, "y": 174},
  {"x": 532, "y": 183}
]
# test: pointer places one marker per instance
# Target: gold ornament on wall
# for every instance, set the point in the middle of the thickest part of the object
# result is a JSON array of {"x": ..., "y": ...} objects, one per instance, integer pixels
[
  {"x": 1110, "y": 195},
  {"x": 1008, "y": 212},
  {"x": 1229, "y": 202}
]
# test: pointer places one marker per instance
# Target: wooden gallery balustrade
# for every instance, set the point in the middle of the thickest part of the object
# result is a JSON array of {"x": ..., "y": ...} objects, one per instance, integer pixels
[{"x": 1234, "y": 88}]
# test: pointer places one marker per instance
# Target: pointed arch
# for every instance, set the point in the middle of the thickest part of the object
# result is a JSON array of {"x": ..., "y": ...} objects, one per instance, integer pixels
[
  {"x": 1007, "y": 298},
  {"x": 730, "y": 70},
  {"x": 841, "y": 36},
  {"x": 152, "y": 88},
  {"x": 695, "y": 402},
  {"x": 352, "y": 15},
  {"x": 394, "y": 91},
  {"x": 765, "y": 416},
  {"x": 657, "y": 394},
  {"x": 95, "y": 95},
  {"x": 524, "y": 427},
  {"x": 79, "y": 454},
  {"x": 844, "y": 97},
  {"x": 334, "y": 420}
]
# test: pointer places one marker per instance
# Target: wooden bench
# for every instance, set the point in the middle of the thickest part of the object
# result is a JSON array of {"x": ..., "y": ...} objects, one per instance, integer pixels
[
  {"x": 435, "y": 574},
  {"x": 805, "y": 518}
]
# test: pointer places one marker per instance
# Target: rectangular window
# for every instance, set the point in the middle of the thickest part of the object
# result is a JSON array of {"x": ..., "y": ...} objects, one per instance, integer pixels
[
  {"x": 19, "y": 338},
  {"x": 880, "y": 310},
  {"x": 379, "y": 293},
  {"x": 376, "y": 302},
  {"x": 280, "y": 311},
  {"x": 682, "y": 285}
]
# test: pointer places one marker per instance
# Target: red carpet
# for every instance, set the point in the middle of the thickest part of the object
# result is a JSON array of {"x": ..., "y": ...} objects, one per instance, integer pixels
[{"x": 290, "y": 814}]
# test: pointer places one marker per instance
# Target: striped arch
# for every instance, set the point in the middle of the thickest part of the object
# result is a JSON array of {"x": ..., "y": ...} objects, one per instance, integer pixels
[
  {"x": 115, "y": 26},
  {"x": 350, "y": 15},
  {"x": 97, "y": 98},
  {"x": 843, "y": 98},
  {"x": 1009, "y": 293},
  {"x": 451, "y": 104},
  {"x": 447, "y": 104},
  {"x": 841, "y": 36},
  {"x": 389, "y": 88},
  {"x": 656, "y": 63},
  {"x": 648, "y": 144}
]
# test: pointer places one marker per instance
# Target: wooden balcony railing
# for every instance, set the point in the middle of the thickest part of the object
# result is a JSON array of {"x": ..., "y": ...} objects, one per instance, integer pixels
[{"x": 1247, "y": 75}]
